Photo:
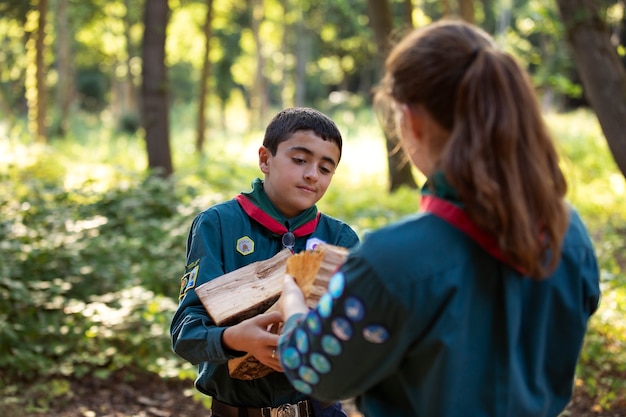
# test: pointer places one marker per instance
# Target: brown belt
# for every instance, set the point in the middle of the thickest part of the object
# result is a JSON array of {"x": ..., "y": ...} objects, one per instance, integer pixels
[{"x": 302, "y": 409}]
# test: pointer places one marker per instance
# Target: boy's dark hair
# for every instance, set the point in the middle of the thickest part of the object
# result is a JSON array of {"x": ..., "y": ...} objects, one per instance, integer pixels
[{"x": 292, "y": 120}]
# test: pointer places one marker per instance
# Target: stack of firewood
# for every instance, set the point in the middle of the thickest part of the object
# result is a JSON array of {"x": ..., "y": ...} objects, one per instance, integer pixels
[{"x": 255, "y": 288}]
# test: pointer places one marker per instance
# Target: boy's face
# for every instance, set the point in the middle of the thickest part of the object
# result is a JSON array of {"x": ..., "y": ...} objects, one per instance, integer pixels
[{"x": 300, "y": 172}]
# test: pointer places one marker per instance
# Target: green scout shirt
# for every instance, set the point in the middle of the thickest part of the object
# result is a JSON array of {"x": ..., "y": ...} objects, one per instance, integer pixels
[
  {"x": 222, "y": 239},
  {"x": 421, "y": 321}
]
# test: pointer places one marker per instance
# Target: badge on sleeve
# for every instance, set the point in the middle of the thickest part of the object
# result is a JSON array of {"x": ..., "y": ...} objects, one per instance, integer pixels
[
  {"x": 188, "y": 281},
  {"x": 245, "y": 245}
]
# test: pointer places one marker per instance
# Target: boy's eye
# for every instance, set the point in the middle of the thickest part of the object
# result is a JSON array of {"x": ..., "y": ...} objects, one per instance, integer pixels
[
  {"x": 325, "y": 170},
  {"x": 298, "y": 160}
]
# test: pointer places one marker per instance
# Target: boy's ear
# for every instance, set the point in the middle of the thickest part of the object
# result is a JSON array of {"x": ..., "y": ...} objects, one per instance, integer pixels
[{"x": 264, "y": 156}]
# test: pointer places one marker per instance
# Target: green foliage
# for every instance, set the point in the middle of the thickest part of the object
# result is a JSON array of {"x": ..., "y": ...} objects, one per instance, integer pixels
[
  {"x": 598, "y": 191},
  {"x": 87, "y": 279}
]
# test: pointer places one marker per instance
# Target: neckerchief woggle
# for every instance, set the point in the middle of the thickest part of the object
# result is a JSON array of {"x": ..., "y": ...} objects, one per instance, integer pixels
[
  {"x": 258, "y": 206},
  {"x": 456, "y": 216}
]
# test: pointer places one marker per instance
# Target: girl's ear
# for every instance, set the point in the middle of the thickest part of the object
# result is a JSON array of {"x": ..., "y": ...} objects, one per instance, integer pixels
[
  {"x": 414, "y": 119},
  {"x": 264, "y": 156}
]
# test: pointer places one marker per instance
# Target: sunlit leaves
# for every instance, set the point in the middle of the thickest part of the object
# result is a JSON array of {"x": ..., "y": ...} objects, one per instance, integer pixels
[{"x": 185, "y": 41}]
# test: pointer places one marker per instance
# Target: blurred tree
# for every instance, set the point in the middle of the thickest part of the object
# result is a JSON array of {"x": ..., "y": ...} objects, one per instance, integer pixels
[
  {"x": 65, "y": 70},
  {"x": 154, "y": 88},
  {"x": 12, "y": 52},
  {"x": 260, "y": 96},
  {"x": 302, "y": 51},
  {"x": 124, "y": 98},
  {"x": 204, "y": 79},
  {"x": 36, "y": 89},
  {"x": 400, "y": 173},
  {"x": 603, "y": 74},
  {"x": 447, "y": 11},
  {"x": 229, "y": 37},
  {"x": 466, "y": 8},
  {"x": 407, "y": 6}
]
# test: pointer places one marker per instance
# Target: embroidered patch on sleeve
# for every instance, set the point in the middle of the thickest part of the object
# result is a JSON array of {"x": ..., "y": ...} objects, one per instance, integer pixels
[{"x": 188, "y": 281}]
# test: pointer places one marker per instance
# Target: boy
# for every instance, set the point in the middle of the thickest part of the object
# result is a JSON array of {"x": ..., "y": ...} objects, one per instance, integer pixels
[{"x": 300, "y": 153}]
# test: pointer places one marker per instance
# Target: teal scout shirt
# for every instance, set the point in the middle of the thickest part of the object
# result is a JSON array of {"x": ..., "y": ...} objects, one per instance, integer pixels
[
  {"x": 421, "y": 321},
  {"x": 224, "y": 238}
]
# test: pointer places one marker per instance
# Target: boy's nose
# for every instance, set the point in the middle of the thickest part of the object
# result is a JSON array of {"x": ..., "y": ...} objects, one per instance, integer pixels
[{"x": 311, "y": 173}]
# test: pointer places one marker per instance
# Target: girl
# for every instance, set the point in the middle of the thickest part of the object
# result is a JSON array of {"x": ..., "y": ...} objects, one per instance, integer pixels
[{"x": 478, "y": 304}]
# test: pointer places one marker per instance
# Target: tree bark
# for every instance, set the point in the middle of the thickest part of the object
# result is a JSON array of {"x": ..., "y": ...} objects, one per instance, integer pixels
[
  {"x": 601, "y": 71},
  {"x": 65, "y": 85},
  {"x": 407, "y": 6},
  {"x": 489, "y": 20},
  {"x": 303, "y": 56},
  {"x": 204, "y": 79},
  {"x": 154, "y": 89},
  {"x": 446, "y": 9},
  {"x": 381, "y": 22},
  {"x": 41, "y": 132},
  {"x": 259, "y": 100},
  {"x": 128, "y": 90},
  {"x": 466, "y": 9}
]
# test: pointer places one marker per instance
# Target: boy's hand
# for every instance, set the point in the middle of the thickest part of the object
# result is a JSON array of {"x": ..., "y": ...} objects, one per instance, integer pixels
[{"x": 257, "y": 336}]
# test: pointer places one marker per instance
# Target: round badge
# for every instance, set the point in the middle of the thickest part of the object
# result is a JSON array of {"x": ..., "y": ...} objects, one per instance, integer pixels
[
  {"x": 302, "y": 341},
  {"x": 320, "y": 363},
  {"x": 375, "y": 333},
  {"x": 291, "y": 358},
  {"x": 302, "y": 386},
  {"x": 313, "y": 323},
  {"x": 331, "y": 345},
  {"x": 342, "y": 328},
  {"x": 354, "y": 308},
  {"x": 308, "y": 375},
  {"x": 337, "y": 284},
  {"x": 325, "y": 305}
]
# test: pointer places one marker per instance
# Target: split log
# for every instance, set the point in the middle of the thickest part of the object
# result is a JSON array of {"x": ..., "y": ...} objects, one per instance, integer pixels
[{"x": 245, "y": 292}]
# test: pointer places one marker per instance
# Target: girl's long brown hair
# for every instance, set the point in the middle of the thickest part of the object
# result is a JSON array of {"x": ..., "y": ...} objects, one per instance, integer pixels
[{"x": 499, "y": 157}]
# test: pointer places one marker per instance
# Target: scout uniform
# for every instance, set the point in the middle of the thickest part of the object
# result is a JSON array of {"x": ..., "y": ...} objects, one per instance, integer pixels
[
  {"x": 451, "y": 333},
  {"x": 224, "y": 238}
]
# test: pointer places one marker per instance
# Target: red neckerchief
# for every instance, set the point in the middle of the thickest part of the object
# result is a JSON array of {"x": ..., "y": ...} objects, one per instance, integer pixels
[
  {"x": 271, "y": 223},
  {"x": 455, "y": 215}
]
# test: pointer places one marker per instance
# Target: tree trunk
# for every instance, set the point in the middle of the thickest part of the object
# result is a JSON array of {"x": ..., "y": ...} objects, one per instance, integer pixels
[
  {"x": 129, "y": 103},
  {"x": 381, "y": 21},
  {"x": 155, "y": 118},
  {"x": 489, "y": 20},
  {"x": 303, "y": 56},
  {"x": 204, "y": 79},
  {"x": 466, "y": 8},
  {"x": 39, "y": 106},
  {"x": 601, "y": 71},
  {"x": 65, "y": 85},
  {"x": 446, "y": 10},
  {"x": 504, "y": 18},
  {"x": 123, "y": 102},
  {"x": 281, "y": 66},
  {"x": 407, "y": 6},
  {"x": 259, "y": 99}
]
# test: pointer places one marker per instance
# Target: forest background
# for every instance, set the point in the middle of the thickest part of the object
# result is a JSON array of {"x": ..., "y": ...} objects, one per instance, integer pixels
[{"x": 120, "y": 120}]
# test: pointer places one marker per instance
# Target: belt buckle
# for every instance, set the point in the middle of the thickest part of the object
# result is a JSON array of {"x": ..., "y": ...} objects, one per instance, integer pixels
[{"x": 287, "y": 410}]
